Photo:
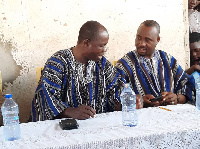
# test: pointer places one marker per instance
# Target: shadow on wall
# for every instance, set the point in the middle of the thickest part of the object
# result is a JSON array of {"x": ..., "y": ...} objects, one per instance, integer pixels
[{"x": 8, "y": 67}]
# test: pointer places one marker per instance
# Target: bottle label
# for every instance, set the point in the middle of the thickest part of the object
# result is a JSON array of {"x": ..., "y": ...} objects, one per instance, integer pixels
[
  {"x": 8, "y": 121},
  {"x": 16, "y": 119}
]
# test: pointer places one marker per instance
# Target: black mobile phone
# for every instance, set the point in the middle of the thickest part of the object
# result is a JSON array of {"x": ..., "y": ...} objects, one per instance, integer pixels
[
  {"x": 158, "y": 98},
  {"x": 68, "y": 124}
]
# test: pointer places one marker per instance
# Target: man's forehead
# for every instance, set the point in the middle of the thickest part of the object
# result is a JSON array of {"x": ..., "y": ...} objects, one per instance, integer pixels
[
  {"x": 195, "y": 45},
  {"x": 147, "y": 31}
]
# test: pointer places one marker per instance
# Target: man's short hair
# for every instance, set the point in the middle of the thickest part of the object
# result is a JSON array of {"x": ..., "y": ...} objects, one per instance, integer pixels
[
  {"x": 89, "y": 30},
  {"x": 150, "y": 23}
]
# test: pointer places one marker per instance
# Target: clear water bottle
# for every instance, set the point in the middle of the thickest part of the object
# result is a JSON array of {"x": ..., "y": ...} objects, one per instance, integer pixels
[
  {"x": 128, "y": 100},
  {"x": 197, "y": 87},
  {"x": 196, "y": 76},
  {"x": 10, "y": 111}
]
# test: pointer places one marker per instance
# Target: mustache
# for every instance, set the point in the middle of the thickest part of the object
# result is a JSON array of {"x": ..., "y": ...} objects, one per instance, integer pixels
[{"x": 142, "y": 47}]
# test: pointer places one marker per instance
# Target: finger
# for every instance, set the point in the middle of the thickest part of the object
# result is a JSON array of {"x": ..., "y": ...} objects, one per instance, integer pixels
[
  {"x": 169, "y": 96},
  {"x": 155, "y": 104},
  {"x": 93, "y": 111},
  {"x": 85, "y": 116},
  {"x": 90, "y": 112},
  {"x": 148, "y": 96},
  {"x": 164, "y": 94},
  {"x": 139, "y": 102},
  {"x": 138, "y": 106},
  {"x": 147, "y": 101}
]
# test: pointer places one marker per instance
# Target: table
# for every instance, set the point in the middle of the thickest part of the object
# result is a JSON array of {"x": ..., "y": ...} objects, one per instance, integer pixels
[{"x": 157, "y": 128}]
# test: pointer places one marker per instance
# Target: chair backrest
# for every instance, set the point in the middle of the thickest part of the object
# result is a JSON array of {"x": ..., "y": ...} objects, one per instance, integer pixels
[
  {"x": 38, "y": 73},
  {"x": 0, "y": 82},
  {"x": 114, "y": 62}
]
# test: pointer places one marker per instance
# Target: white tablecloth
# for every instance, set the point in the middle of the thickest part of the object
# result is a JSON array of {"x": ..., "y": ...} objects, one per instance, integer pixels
[{"x": 157, "y": 128}]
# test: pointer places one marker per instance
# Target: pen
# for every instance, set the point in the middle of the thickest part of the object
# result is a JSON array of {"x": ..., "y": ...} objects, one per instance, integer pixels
[{"x": 165, "y": 109}]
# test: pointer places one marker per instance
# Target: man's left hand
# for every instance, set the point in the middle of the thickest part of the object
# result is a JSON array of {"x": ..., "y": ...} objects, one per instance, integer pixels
[{"x": 169, "y": 98}]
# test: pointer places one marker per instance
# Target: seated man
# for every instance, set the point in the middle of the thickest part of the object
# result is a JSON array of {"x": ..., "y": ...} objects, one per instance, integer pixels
[
  {"x": 78, "y": 82},
  {"x": 153, "y": 72}
]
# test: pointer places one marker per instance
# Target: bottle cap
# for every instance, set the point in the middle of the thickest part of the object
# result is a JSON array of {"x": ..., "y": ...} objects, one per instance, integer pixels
[
  {"x": 8, "y": 96},
  {"x": 126, "y": 85}
]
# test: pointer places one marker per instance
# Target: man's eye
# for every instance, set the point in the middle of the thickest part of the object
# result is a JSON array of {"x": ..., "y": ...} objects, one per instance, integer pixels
[{"x": 148, "y": 40}]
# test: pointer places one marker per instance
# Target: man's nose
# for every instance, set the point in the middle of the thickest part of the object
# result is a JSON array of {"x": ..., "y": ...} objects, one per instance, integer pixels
[
  {"x": 194, "y": 55},
  {"x": 142, "y": 43}
]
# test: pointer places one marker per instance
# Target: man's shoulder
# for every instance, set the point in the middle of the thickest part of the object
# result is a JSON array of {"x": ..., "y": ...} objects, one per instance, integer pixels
[
  {"x": 63, "y": 52},
  {"x": 164, "y": 55},
  {"x": 161, "y": 52},
  {"x": 60, "y": 56},
  {"x": 129, "y": 55}
]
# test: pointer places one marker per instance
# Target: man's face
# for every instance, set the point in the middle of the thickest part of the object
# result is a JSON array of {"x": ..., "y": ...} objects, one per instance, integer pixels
[
  {"x": 97, "y": 47},
  {"x": 192, "y": 4},
  {"x": 146, "y": 40},
  {"x": 195, "y": 53}
]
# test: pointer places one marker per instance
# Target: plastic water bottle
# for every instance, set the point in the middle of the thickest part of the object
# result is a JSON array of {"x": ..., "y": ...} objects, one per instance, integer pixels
[
  {"x": 128, "y": 100},
  {"x": 196, "y": 76},
  {"x": 10, "y": 111},
  {"x": 197, "y": 87}
]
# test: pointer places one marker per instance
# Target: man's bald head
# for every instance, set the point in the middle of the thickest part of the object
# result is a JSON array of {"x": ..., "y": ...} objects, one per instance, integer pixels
[{"x": 90, "y": 31}]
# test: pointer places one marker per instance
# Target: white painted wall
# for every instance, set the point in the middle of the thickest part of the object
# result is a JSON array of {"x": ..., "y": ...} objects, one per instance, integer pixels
[{"x": 38, "y": 28}]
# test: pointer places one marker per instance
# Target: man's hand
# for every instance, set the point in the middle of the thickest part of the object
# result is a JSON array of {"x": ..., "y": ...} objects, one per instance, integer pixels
[
  {"x": 148, "y": 103},
  {"x": 169, "y": 98},
  {"x": 193, "y": 68},
  {"x": 139, "y": 102},
  {"x": 82, "y": 112}
]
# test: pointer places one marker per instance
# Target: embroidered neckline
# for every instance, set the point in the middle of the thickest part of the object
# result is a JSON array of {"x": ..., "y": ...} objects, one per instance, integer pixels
[{"x": 79, "y": 69}]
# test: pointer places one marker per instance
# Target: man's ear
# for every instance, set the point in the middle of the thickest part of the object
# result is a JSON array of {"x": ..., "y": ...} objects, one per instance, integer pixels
[
  {"x": 158, "y": 38},
  {"x": 86, "y": 42}
]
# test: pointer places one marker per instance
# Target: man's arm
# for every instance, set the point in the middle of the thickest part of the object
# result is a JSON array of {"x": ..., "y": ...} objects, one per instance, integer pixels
[
  {"x": 47, "y": 102},
  {"x": 183, "y": 83},
  {"x": 192, "y": 69},
  {"x": 114, "y": 85},
  {"x": 82, "y": 112}
]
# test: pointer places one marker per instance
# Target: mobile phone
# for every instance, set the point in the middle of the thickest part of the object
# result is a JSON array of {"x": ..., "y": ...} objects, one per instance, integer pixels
[
  {"x": 158, "y": 98},
  {"x": 68, "y": 124}
]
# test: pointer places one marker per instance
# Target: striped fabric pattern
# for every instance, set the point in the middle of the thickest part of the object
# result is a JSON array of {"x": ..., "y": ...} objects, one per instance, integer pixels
[
  {"x": 63, "y": 84},
  {"x": 160, "y": 74}
]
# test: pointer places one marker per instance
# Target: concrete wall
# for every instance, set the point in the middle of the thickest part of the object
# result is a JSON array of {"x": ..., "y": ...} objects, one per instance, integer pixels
[{"x": 32, "y": 30}]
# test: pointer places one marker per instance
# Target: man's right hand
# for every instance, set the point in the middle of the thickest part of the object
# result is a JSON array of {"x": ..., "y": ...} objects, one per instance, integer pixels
[
  {"x": 148, "y": 103},
  {"x": 82, "y": 112}
]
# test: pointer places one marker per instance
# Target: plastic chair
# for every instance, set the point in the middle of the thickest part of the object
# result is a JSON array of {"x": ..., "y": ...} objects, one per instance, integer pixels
[
  {"x": 114, "y": 62},
  {"x": 38, "y": 73}
]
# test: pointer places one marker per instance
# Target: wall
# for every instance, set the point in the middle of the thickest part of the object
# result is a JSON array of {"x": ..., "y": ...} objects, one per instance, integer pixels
[{"x": 32, "y": 30}]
